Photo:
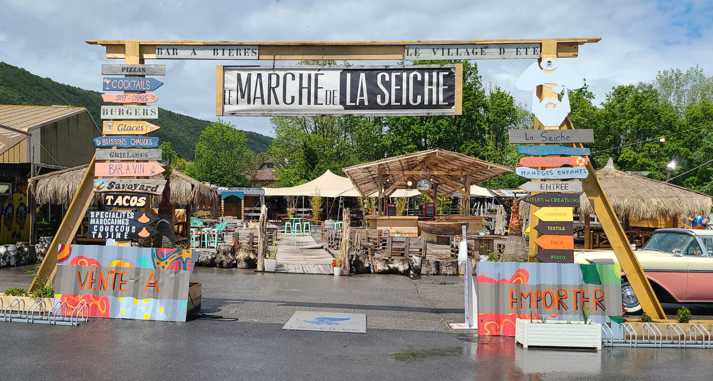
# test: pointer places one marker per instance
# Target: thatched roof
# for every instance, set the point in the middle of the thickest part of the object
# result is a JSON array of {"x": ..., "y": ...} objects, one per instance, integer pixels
[
  {"x": 640, "y": 197},
  {"x": 59, "y": 187}
]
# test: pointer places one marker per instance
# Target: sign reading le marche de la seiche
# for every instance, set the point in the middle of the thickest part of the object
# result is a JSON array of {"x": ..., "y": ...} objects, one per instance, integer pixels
[
  {"x": 472, "y": 52},
  {"x": 372, "y": 90}
]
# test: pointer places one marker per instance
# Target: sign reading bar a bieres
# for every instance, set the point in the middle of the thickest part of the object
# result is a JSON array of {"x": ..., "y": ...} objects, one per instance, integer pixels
[
  {"x": 371, "y": 90},
  {"x": 212, "y": 52},
  {"x": 472, "y": 52}
]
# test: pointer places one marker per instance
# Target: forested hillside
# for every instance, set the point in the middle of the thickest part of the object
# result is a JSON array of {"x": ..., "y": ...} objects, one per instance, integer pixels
[{"x": 19, "y": 86}]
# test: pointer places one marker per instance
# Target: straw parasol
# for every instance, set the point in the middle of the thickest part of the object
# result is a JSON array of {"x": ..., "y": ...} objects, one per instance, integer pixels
[{"x": 59, "y": 187}]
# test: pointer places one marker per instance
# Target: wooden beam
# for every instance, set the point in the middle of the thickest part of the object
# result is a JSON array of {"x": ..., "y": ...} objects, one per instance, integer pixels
[{"x": 219, "y": 80}]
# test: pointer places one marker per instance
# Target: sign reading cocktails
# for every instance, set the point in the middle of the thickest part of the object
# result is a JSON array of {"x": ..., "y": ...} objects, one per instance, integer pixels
[{"x": 375, "y": 90}]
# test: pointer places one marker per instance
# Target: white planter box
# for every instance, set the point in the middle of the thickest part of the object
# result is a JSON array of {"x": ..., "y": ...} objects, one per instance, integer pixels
[{"x": 558, "y": 334}]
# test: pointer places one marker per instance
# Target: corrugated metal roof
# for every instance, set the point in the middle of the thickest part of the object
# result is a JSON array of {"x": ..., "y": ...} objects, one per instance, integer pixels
[{"x": 24, "y": 118}]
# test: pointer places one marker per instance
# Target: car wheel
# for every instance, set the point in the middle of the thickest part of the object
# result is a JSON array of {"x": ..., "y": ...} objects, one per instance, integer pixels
[{"x": 628, "y": 298}]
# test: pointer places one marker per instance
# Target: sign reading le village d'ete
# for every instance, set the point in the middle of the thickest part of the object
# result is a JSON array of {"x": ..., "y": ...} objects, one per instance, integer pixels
[{"x": 384, "y": 90}]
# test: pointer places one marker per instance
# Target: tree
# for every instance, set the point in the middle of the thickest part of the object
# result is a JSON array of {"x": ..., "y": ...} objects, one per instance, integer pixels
[{"x": 222, "y": 156}]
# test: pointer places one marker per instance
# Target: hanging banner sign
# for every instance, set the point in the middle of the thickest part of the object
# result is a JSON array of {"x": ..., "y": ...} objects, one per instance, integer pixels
[
  {"x": 553, "y": 173},
  {"x": 551, "y": 136},
  {"x": 555, "y": 228},
  {"x": 150, "y": 186},
  {"x": 552, "y": 150},
  {"x": 128, "y": 169},
  {"x": 120, "y": 225},
  {"x": 555, "y": 256},
  {"x": 127, "y": 154},
  {"x": 554, "y": 214},
  {"x": 129, "y": 98},
  {"x": 131, "y": 84},
  {"x": 571, "y": 186},
  {"x": 553, "y": 161},
  {"x": 370, "y": 90},
  {"x": 553, "y": 199},
  {"x": 115, "y": 282},
  {"x": 126, "y": 69},
  {"x": 129, "y": 112},
  {"x": 213, "y": 52},
  {"x": 124, "y": 200},
  {"x": 472, "y": 52},
  {"x": 126, "y": 141},
  {"x": 556, "y": 242},
  {"x": 545, "y": 291},
  {"x": 128, "y": 127}
]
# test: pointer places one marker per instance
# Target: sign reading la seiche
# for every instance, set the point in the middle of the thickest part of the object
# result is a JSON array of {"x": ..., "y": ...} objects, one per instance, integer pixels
[
  {"x": 551, "y": 136},
  {"x": 409, "y": 90}
]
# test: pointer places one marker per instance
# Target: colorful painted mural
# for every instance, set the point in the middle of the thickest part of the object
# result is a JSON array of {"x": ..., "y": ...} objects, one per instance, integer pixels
[
  {"x": 545, "y": 291},
  {"x": 14, "y": 218},
  {"x": 125, "y": 282}
]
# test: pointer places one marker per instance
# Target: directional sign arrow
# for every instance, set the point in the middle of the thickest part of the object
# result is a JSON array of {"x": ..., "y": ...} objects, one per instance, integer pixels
[
  {"x": 552, "y": 150},
  {"x": 555, "y": 242},
  {"x": 553, "y": 173},
  {"x": 128, "y": 169},
  {"x": 128, "y": 127},
  {"x": 553, "y": 199},
  {"x": 534, "y": 136},
  {"x": 129, "y": 98},
  {"x": 125, "y": 69},
  {"x": 553, "y": 161},
  {"x": 131, "y": 84},
  {"x": 554, "y": 214},
  {"x": 152, "y": 186},
  {"x": 554, "y": 228},
  {"x": 140, "y": 154},
  {"x": 570, "y": 186},
  {"x": 555, "y": 256},
  {"x": 126, "y": 141}
]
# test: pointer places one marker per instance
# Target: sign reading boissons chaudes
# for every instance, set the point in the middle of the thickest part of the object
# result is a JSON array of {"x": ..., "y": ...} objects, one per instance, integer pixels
[{"x": 374, "y": 90}]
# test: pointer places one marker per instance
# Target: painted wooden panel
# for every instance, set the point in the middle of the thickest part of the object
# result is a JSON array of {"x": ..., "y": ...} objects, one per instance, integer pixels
[
  {"x": 553, "y": 199},
  {"x": 554, "y": 213},
  {"x": 125, "y": 69},
  {"x": 569, "y": 186},
  {"x": 128, "y": 154},
  {"x": 150, "y": 186},
  {"x": 556, "y": 242},
  {"x": 131, "y": 84},
  {"x": 129, "y": 112},
  {"x": 126, "y": 141},
  {"x": 553, "y": 161},
  {"x": 553, "y": 173},
  {"x": 555, "y": 256},
  {"x": 128, "y": 127},
  {"x": 555, "y": 228},
  {"x": 129, "y": 98},
  {"x": 551, "y": 136},
  {"x": 552, "y": 150},
  {"x": 128, "y": 169}
]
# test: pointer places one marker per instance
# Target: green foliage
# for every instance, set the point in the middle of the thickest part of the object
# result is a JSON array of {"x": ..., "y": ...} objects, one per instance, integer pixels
[
  {"x": 316, "y": 203},
  {"x": 401, "y": 206},
  {"x": 222, "y": 156},
  {"x": 20, "y": 87},
  {"x": 43, "y": 292},
  {"x": 15, "y": 291},
  {"x": 683, "y": 315}
]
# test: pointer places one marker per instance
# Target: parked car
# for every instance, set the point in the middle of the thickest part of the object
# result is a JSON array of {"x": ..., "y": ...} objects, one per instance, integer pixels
[{"x": 677, "y": 262}]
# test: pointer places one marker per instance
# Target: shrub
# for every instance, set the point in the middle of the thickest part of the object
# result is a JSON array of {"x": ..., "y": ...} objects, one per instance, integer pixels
[
  {"x": 683, "y": 315},
  {"x": 15, "y": 291},
  {"x": 43, "y": 292}
]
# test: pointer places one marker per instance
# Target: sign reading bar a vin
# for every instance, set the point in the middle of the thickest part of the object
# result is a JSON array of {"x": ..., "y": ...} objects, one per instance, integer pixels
[{"x": 372, "y": 90}]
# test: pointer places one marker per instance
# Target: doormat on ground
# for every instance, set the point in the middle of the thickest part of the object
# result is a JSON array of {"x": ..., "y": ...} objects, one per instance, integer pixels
[{"x": 326, "y": 321}]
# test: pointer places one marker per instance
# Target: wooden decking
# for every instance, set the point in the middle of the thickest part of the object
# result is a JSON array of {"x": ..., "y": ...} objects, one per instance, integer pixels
[{"x": 300, "y": 254}]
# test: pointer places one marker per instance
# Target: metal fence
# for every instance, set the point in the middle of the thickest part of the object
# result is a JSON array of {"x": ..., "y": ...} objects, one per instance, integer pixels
[{"x": 40, "y": 311}]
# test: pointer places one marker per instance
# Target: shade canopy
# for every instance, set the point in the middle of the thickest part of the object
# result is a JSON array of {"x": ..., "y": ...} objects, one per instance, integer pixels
[
  {"x": 326, "y": 185},
  {"x": 449, "y": 170}
]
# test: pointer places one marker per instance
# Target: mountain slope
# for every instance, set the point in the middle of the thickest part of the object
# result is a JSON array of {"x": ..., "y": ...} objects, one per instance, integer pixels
[{"x": 19, "y": 86}]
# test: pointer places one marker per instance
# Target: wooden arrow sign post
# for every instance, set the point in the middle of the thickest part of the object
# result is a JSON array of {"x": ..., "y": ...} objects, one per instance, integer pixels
[
  {"x": 128, "y": 169},
  {"x": 553, "y": 199},
  {"x": 553, "y": 161},
  {"x": 128, "y": 127}
]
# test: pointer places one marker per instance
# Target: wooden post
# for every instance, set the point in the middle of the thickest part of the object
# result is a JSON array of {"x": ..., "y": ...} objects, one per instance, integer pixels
[
  {"x": 262, "y": 238},
  {"x": 466, "y": 196},
  {"x": 344, "y": 245},
  {"x": 587, "y": 232}
]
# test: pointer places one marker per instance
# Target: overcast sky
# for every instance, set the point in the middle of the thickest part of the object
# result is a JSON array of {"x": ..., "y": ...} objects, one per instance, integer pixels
[{"x": 638, "y": 38}]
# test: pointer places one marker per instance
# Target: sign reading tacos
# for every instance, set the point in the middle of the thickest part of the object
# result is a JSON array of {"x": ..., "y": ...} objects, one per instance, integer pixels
[
  {"x": 124, "y": 200},
  {"x": 372, "y": 90},
  {"x": 120, "y": 225}
]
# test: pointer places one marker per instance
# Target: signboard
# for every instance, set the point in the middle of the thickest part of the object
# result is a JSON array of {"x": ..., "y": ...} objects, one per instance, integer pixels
[
  {"x": 150, "y": 186},
  {"x": 129, "y": 112},
  {"x": 126, "y": 69},
  {"x": 207, "y": 52},
  {"x": 556, "y": 242},
  {"x": 552, "y": 150},
  {"x": 551, "y": 136},
  {"x": 124, "y": 282},
  {"x": 124, "y": 200},
  {"x": 131, "y": 84},
  {"x": 126, "y": 141},
  {"x": 370, "y": 90},
  {"x": 553, "y": 161},
  {"x": 555, "y": 256},
  {"x": 128, "y": 169},
  {"x": 472, "y": 52},
  {"x": 120, "y": 225},
  {"x": 511, "y": 290},
  {"x": 570, "y": 186},
  {"x": 128, "y": 127},
  {"x": 554, "y": 213},
  {"x": 553, "y": 173},
  {"x": 129, "y": 98},
  {"x": 423, "y": 185},
  {"x": 555, "y": 228},
  {"x": 553, "y": 199},
  {"x": 127, "y": 154}
]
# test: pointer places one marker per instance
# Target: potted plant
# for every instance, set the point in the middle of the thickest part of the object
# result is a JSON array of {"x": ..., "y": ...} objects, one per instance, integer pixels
[
  {"x": 41, "y": 300},
  {"x": 337, "y": 266}
]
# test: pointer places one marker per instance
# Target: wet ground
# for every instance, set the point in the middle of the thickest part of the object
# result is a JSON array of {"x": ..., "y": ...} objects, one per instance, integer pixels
[{"x": 240, "y": 337}]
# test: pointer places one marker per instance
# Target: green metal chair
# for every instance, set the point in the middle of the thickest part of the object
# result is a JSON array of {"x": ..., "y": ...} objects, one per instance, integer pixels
[{"x": 212, "y": 236}]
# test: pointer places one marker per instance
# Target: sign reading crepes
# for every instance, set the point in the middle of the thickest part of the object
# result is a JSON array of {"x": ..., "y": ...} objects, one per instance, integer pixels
[
  {"x": 373, "y": 90},
  {"x": 472, "y": 52}
]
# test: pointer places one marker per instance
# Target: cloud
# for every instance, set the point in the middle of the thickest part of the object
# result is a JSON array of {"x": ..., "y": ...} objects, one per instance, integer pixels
[{"x": 639, "y": 38}]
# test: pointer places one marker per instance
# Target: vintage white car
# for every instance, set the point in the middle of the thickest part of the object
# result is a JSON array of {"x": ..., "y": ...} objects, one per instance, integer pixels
[{"x": 677, "y": 262}]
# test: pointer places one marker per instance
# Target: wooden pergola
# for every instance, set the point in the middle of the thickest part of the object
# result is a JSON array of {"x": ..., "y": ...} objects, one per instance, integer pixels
[{"x": 448, "y": 172}]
